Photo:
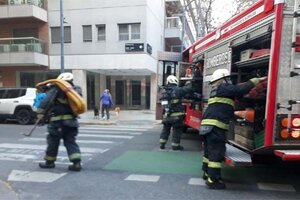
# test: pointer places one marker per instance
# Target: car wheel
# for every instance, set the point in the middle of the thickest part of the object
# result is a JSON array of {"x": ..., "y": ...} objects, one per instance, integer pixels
[{"x": 23, "y": 116}]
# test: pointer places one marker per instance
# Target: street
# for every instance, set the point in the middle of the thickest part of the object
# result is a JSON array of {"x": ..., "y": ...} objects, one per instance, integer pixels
[{"x": 123, "y": 161}]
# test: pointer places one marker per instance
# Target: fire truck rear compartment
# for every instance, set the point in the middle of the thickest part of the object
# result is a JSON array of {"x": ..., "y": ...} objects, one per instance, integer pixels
[{"x": 250, "y": 58}]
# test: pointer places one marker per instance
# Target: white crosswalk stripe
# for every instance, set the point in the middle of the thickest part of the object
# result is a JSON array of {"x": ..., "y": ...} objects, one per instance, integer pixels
[
  {"x": 110, "y": 132},
  {"x": 78, "y": 141},
  {"x": 106, "y": 136},
  {"x": 92, "y": 140},
  {"x": 43, "y": 147},
  {"x": 124, "y": 128}
]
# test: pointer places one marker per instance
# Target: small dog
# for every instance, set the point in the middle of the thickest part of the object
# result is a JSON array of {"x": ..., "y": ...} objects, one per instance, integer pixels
[
  {"x": 117, "y": 110},
  {"x": 96, "y": 112}
]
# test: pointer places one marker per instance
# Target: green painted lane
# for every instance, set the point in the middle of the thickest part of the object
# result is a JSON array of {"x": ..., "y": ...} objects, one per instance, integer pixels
[
  {"x": 190, "y": 163},
  {"x": 187, "y": 163}
]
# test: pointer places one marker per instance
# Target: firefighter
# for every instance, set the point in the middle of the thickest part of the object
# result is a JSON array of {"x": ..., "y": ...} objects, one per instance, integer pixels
[
  {"x": 63, "y": 124},
  {"x": 173, "y": 112},
  {"x": 215, "y": 123},
  {"x": 198, "y": 77}
]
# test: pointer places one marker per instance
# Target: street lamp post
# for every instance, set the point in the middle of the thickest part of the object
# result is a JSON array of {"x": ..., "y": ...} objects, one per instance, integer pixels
[{"x": 62, "y": 38}]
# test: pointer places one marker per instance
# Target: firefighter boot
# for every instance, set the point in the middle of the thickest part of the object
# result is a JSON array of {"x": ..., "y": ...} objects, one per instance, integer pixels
[
  {"x": 47, "y": 164},
  {"x": 75, "y": 167},
  {"x": 205, "y": 176},
  {"x": 215, "y": 184},
  {"x": 177, "y": 148},
  {"x": 162, "y": 146}
]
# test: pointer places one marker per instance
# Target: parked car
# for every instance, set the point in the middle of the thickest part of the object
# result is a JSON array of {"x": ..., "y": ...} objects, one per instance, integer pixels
[{"x": 17, "y": 104}]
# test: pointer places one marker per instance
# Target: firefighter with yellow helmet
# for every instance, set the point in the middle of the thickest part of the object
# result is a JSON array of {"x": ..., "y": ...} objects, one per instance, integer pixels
[{"x": 215, "y": 123}]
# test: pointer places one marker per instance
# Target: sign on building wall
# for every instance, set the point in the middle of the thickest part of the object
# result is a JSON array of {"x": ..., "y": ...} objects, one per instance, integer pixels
[
  {"x": 149, "y": 49},
  {"x": 134, "y": 47}
]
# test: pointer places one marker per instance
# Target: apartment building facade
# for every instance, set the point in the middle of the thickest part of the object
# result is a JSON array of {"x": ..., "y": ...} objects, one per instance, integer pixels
[
  {"x": 107, "y": 44},
  {"x": 23, "y": 40}
]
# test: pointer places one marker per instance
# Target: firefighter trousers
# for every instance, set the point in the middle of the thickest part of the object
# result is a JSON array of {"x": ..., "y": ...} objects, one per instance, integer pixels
[
  {"x": 214, "y": 152},
  {"x": 57, "y": 131},
  {"x": 166, "y": 131}
]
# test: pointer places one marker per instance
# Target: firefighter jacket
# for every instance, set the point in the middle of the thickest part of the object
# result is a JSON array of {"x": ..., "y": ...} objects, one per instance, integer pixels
[
  {"x": 56, "y": 104},
  {"x": 221, "y": 102},
  {"x": 174, "y": 111}
]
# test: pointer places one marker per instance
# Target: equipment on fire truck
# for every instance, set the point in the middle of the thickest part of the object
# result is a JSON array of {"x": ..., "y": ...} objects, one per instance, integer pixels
[
  {"x": 259, "y": 91},
  {"x": 246, "y": 54},
  {"x": 188, "y": 73},
  {"x": 247, "y": 114},
  {"x": 260, "y": 52}
]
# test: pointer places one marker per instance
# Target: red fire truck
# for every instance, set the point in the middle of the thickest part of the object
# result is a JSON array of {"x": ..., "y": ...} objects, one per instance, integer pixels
[{"x": 263, "y": 40}]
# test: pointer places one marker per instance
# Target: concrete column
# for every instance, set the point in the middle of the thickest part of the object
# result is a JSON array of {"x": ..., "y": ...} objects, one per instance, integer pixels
[
  {"x": 97, "y": 89},
  {"x": 80, "y": 79},
  {"x": 102, "y": 83},
  {"x": 128, "y": 94},
  {"x": 153, "y": 92},
  {"x": 143, "y": 93},
  {"x": 112, "y": 88}
]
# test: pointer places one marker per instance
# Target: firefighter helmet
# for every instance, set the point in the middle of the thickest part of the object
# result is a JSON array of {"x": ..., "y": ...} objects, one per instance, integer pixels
[
  {"x": 219, "y": 74},
  {"x": 172, "y": 80},
  {"x": 67, "y": 76}
]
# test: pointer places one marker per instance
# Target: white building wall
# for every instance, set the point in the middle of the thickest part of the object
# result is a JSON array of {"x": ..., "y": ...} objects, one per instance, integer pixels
[
  {"x": 155, "y": 37},
  {"x": 110, "y": 13},
  {"x": 109, "y": 54},
  {"x": 142, "y": 62},
  {"x": 155, "y": 25}
]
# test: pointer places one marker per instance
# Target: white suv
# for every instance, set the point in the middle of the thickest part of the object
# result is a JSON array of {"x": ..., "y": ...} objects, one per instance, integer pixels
[{"x": 17, "y": 103}]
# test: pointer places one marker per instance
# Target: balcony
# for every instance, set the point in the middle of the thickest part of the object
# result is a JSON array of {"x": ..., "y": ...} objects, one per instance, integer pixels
[
  {"x": 173, "y": 31},
  {"x": 27, "y": 51},
  {"x": 25, "y": 9}
]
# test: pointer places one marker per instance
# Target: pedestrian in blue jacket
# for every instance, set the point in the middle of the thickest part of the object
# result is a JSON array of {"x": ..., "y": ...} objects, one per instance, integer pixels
[{"x": 105, "y": 99}]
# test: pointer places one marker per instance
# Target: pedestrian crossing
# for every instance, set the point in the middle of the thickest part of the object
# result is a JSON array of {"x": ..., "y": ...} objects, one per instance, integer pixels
[{"x": 92, "y": 140}]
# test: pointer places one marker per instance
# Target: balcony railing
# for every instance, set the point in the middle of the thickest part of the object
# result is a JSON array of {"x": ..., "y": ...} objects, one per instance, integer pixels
[
  {"x": 173, "y": 22},
  {"x": 39, "y": 3},
  {"x": 22, "y": 44}
]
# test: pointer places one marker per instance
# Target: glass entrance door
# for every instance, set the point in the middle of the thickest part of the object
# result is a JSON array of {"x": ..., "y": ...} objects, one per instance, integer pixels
[
  {"x": 136, "y": 93},
  {"x": 120, "y": 92}
]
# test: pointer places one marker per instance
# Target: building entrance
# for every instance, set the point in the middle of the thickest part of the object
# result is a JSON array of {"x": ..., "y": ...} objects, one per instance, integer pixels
[{"x": 120, "y": 92}]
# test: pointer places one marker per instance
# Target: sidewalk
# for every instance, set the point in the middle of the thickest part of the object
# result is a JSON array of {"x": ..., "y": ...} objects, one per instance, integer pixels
[{"x": 124, "y": 115}]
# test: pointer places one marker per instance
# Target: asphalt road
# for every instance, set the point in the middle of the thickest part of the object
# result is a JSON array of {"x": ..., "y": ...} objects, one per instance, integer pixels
[{"x": 123, "y": 161}]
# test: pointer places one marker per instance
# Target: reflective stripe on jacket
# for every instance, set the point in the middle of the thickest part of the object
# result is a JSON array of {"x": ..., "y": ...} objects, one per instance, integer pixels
[{"x": 221, "y": 103}]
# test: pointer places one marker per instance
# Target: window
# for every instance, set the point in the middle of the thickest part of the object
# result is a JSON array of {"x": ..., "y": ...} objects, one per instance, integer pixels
[
  {"x": 14, "y": 93},
  {"x": 101, "y": 32},
  {"x": 2, "y": 92},
  {"x": 129, "y": 31},
  {"x": 19, "y": 33},
  {"x": 55, "y": 34},
  {"x": 123, "y": 32},
  {"x": 87, "y": 33},
  {"x": 135, "y": 31},
  {"x": 30, "y": 32}
]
